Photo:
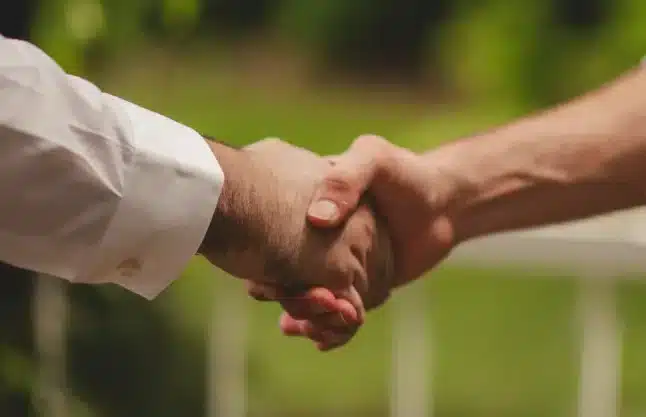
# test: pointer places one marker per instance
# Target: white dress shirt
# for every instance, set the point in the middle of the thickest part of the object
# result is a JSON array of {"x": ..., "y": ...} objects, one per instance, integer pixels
[{"x": 95, "y": 189}]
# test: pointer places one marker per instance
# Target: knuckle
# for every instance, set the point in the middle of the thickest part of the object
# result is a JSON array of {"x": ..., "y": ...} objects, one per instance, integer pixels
[
  {"x": 381, "y": 149},
  {"x": 266, "y": 143},
  {"x": 341, "y": 188},
  {"x": 272, "y": 140},
  {"x": 339, "y": 182},
  {"x": 371, "y": 140}
]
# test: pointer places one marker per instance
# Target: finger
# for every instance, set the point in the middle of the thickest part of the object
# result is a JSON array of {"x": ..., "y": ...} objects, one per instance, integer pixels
[
  {"x": 318, "y": 334},
  {"x": 301, "y": 309},
  {"x": 313, "y": 302},
  {"x": 329, "y": 345},
  {"x": 350, "y": 304},
  {"x": 331, "y": 321},
  {"x": 325, "y": 339},
  {"x": 350, "y": 313},
  {"x": 290, "y": 326},
  {"x": 317, "y": 296},
  {"x": 334, "y": 340},
  {"x": 262, "y": 292},
  {"x": 322, "y": 306},
  {"x": 321, "y": 297},
  {"x": 347, "y": 180}
]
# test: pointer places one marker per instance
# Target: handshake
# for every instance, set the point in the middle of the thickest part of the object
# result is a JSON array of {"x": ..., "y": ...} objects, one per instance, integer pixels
[
  {"x": 318, "y": 234},
  {"x": 330, "y": 238},
  {"x": 327, "y": 238}
]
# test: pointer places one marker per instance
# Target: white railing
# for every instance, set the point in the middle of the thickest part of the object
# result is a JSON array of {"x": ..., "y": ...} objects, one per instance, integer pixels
[
  {"x": 597, "y": 250},
  {"x": 50, "y": 321}
]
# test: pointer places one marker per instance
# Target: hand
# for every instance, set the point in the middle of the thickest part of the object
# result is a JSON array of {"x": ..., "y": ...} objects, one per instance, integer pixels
[
  {"x": 414, "y": 206},
  {"x": 260, "y": 232},
  {"x": 412, "y": 198}
]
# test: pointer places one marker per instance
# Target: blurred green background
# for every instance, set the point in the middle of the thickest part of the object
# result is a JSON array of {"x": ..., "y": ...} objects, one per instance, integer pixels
[{"x": 318, "y": 73}]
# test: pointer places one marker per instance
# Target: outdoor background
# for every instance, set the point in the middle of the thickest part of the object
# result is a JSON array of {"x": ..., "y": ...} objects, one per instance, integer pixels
[{"x": 317, "y": 73}]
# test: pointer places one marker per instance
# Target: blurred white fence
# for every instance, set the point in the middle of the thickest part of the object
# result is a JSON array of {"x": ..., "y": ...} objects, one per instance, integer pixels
[{"x": 597, "y": 251}]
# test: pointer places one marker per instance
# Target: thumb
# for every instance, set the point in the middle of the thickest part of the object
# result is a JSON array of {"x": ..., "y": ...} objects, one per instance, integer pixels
[{"x": 350, "y": 176}]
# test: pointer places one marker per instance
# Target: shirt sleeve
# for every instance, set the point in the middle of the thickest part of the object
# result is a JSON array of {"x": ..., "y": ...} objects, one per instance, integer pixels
[{"x": 95, "y": 189}]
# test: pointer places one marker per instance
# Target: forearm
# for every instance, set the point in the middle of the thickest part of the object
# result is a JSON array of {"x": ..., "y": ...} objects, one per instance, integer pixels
[
  {"x": 238, "y": 228},
  {"x": 582, "y": 159},
  {"x": 229, "y": 230}
]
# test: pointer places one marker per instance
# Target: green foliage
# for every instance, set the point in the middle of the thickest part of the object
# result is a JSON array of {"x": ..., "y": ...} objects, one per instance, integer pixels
[
  {"x": 374, "y": 37},
  {"x": 312, "y": 23},
  {"x": 518, "y": 51},
  {"x": 485, "y": 48},
  {"x": 53, "y": 32},
  {"x": 179, "y": 15}
]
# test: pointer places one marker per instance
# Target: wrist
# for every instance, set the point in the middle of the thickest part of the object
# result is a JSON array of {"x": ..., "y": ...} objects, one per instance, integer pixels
[
  {"x": 493, "y": 183},
  {"x": 244, "y": 238},
  {"x": 537, "y": 172},
  {"x": 231, "y": 226},
  {"x": 447, "y": 171}
]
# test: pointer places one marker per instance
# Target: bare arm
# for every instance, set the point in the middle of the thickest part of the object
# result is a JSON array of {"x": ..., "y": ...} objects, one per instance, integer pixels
[
  {"x": 580, "y": 159},
  {"x": 584, "y": 158}
]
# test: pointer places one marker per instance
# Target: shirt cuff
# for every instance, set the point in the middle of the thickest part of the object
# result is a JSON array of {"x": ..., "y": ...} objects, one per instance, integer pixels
[{"x": 172, "y": 187}]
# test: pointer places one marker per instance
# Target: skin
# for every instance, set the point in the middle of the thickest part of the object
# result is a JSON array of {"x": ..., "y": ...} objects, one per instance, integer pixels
[
  {"x": 259, "y": 231},
  {"x": 580, "y": 159}
]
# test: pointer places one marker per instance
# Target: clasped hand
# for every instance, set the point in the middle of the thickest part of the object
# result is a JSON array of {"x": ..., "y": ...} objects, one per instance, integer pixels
[
  {"x": 263, "y": 236},
  {"x": 327, "y": 238},
  {"x": 420, "y": 229}
]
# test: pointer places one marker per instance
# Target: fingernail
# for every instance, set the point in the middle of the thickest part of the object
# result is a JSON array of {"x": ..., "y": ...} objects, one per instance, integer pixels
[
  {"x": 355, "y": 319},
  {"x": 324, "y": 210}
]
